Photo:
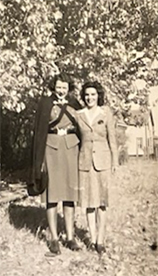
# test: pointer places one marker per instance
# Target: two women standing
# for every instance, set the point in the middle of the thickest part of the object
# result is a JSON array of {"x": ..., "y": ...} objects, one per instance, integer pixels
[{"x": 56, "y": 151}]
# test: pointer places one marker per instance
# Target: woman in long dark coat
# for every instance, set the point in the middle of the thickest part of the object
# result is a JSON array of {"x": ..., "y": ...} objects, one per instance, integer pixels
[{"x": 56, "y": 151}]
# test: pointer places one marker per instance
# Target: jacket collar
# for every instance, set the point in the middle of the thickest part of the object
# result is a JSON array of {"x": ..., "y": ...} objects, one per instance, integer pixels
[{"x": 84, "y": 117}]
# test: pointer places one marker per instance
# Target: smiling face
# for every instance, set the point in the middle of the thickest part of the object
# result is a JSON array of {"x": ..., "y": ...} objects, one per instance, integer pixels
[
  {"x": 91, "y": 97},
  {"x": 61, "y": 89}
]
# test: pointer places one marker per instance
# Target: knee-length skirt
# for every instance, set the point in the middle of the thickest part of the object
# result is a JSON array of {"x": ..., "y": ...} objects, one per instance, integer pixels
[
  {"x": 93, "y": 188},
  {"x": 62, "y": 167}
]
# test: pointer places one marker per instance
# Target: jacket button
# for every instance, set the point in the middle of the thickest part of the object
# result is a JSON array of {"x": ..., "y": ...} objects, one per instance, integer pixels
[{"x": 93, "y": 151}]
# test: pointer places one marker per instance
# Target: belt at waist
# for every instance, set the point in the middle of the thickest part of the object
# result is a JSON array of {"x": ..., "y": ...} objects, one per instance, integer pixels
[{"x": 61, "y": 131}]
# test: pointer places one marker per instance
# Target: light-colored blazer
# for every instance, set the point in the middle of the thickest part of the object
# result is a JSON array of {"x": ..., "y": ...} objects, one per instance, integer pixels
[{"x": 98, "y": 140}]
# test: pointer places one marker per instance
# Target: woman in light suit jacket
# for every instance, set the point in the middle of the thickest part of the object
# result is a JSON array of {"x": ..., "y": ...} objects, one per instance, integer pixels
[{"x": 97, "y": 159}]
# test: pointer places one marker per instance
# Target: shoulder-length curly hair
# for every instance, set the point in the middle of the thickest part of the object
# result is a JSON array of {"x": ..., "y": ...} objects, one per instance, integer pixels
[{"x": 97, "y": 86}]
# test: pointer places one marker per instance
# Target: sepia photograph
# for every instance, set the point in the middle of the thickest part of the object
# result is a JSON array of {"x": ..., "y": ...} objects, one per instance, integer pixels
[{"x": 79, "y": 137}]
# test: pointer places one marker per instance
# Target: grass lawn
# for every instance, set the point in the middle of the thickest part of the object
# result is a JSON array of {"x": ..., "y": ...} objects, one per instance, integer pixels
[{"x": 131, "y": 233}]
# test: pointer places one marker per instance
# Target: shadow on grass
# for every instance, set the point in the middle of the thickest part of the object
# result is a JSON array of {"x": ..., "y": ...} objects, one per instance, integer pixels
[
  {"x": 34, "y": 219},
  {"x": 31, "y": 218}
]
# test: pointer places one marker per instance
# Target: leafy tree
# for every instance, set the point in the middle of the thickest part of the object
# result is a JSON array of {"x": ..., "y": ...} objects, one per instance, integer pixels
[{"x": 113, "y": 41}]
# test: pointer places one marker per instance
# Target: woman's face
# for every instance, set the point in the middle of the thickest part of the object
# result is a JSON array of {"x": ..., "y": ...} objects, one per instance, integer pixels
[
  {"x": 61, "y": 89},
  {"x": 91, "y": 97}
]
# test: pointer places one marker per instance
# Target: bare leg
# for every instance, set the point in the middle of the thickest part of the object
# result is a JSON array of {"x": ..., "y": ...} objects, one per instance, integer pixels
[
  {"x": 91, "y": 218},
  {"x": 52, "y": 219},
  {"x": 101, "y": 211},
  {"x": 68, "y": 210}
]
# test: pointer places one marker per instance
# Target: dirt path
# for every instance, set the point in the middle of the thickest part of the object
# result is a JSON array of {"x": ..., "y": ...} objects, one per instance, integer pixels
[{"x": 131, "y": 235}]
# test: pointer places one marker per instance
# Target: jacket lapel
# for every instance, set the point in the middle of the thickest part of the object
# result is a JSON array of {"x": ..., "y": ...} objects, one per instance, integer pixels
[
  {"x": 98, "y": 115},
  {"x": 85, "y": 119}
]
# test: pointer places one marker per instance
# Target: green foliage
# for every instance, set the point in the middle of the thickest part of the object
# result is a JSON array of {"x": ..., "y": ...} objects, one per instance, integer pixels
[
  {"x": 113, "y": 41},
  {"x": 17, "y": 132}
]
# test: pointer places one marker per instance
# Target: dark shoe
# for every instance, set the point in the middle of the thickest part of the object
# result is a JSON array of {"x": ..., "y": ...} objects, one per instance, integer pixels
[
  {"x": 100, "y": 248},
  {"x": 54, "y": 247},
  {"x": 72, "y": 245},
  {"x": 91, "y": 247}
]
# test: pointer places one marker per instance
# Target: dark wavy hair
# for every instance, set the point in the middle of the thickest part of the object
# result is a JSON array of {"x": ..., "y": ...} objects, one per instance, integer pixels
[
  {"x": 97, "y": 86},
  {"x": 64, "y": 77}
]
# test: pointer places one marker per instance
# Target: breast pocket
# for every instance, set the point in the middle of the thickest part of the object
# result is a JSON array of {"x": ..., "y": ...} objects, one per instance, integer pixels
[{"x": 100, "y": 127}]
